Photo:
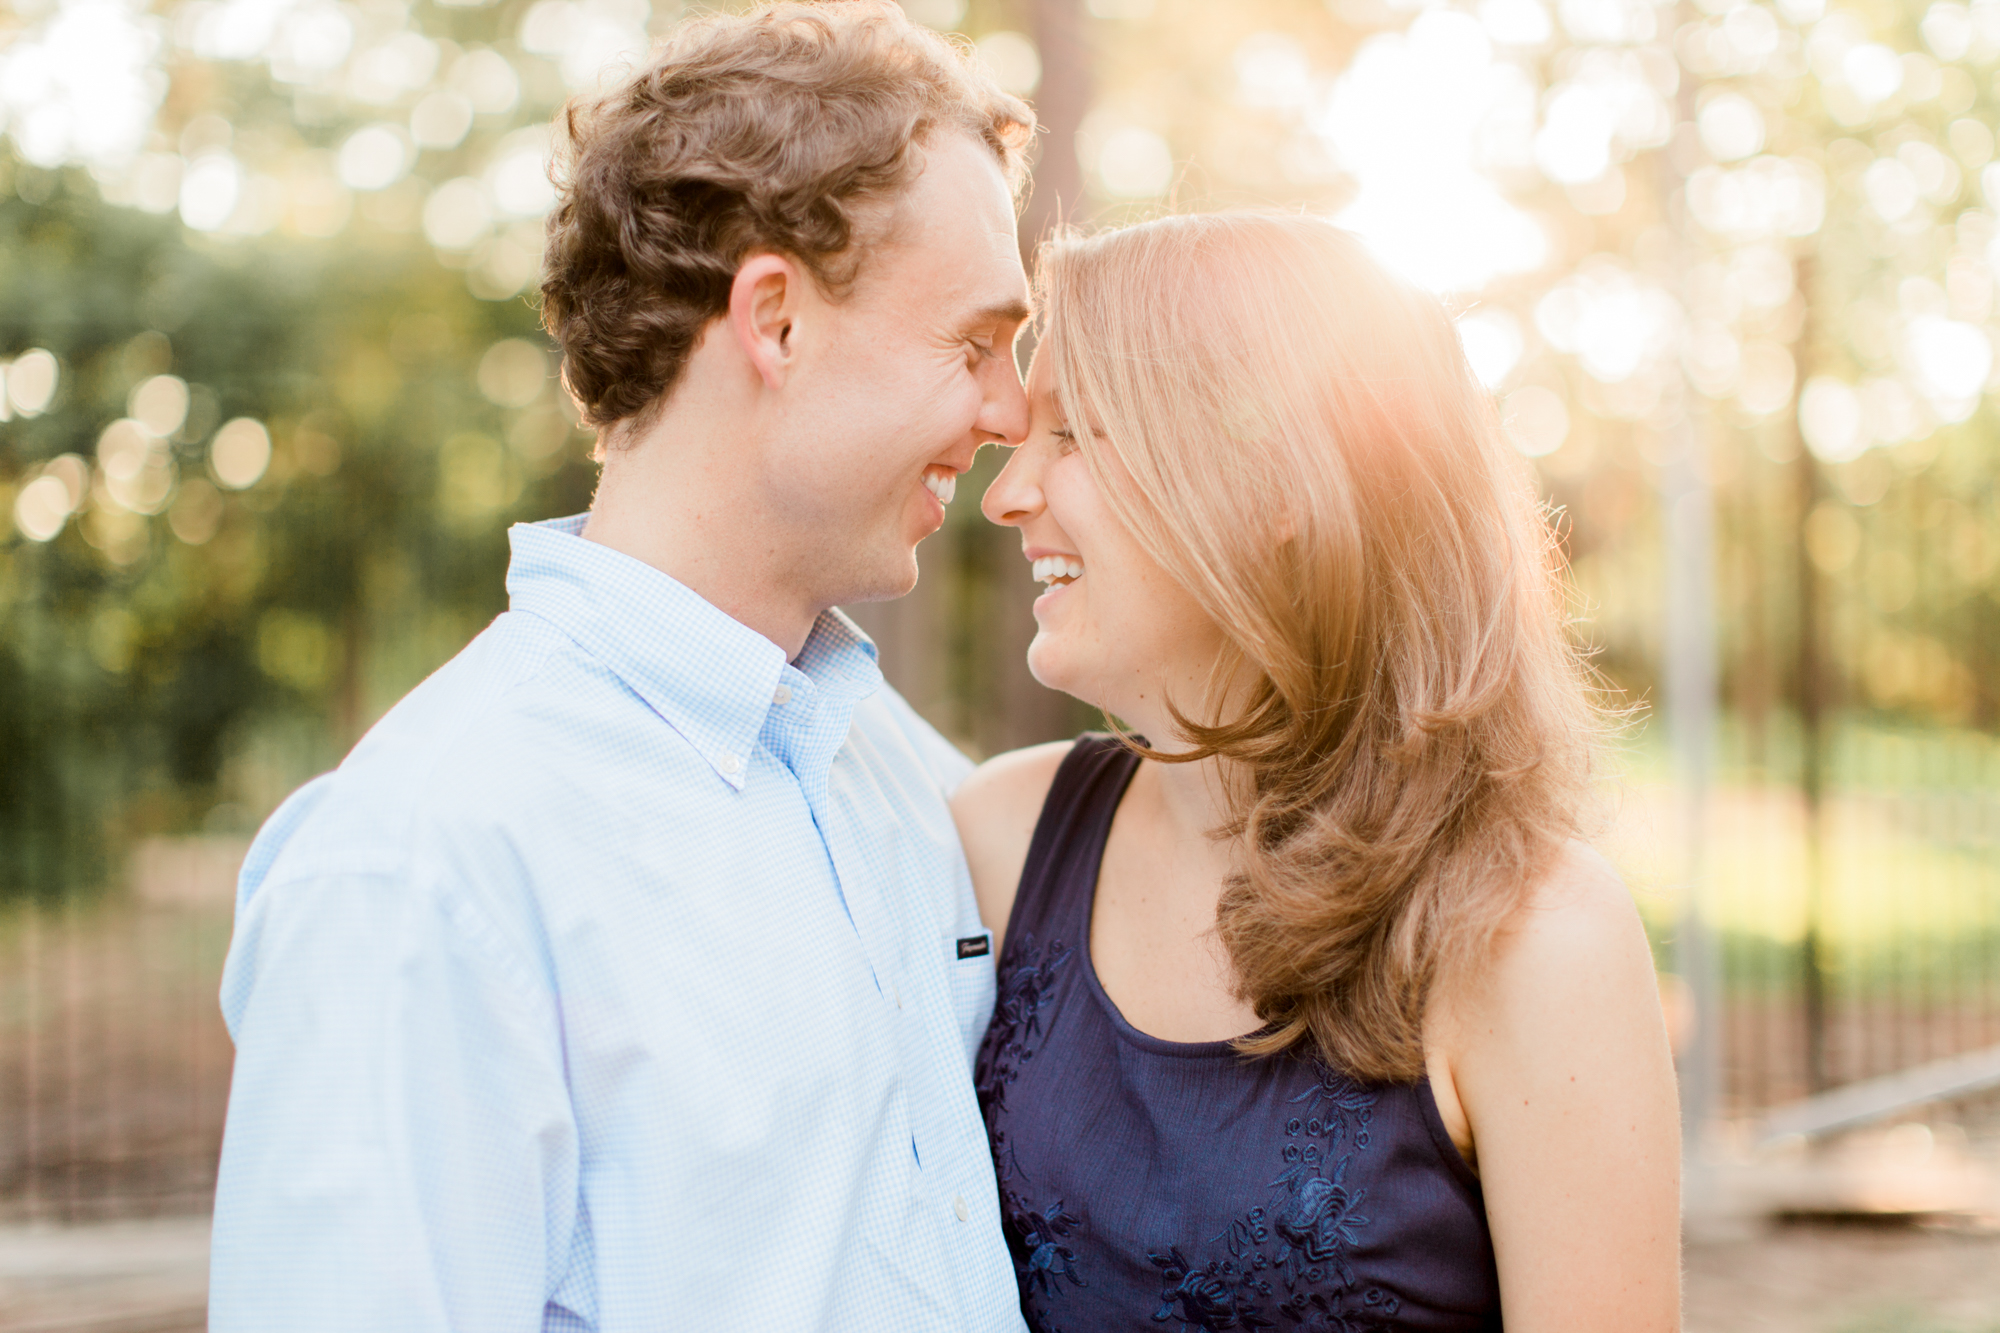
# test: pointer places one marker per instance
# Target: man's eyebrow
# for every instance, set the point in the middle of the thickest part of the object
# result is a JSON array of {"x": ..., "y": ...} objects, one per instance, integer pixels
[{"x": 1002, "y": 312}]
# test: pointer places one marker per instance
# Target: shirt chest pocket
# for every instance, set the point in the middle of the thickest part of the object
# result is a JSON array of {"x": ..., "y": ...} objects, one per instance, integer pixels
[{"x": 970, "y": 967}]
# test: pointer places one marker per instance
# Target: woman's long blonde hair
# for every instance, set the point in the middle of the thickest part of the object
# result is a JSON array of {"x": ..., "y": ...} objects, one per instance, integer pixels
[{"x": 1295, "y": 436}]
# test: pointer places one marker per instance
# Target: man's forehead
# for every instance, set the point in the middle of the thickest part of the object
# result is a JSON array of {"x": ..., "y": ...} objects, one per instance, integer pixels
[
  {"x": 954, "y": 228},
  {"x": 944, "y": 283}
]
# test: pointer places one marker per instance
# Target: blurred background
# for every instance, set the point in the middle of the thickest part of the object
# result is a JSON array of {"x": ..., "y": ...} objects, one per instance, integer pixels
[{"x": 272, "y": 389}]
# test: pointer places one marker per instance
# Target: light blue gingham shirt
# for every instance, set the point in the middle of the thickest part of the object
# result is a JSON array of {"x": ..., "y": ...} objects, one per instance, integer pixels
[{"x": 624, "y": 977}]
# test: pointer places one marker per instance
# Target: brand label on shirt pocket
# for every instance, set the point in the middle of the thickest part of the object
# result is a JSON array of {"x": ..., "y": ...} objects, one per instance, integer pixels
[{"x": 975, "y": 946}]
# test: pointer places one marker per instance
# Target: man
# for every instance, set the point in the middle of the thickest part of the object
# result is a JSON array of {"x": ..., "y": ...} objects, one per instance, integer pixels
[{"x": 627, "y": 975}]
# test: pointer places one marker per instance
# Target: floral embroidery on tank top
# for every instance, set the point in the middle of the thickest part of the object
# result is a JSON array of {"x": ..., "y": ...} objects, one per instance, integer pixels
[
  {"x": 1279, "y": 1221},
  {"x": 1035, "y": 1232},
  {"x": 1287, "y": 1260}
]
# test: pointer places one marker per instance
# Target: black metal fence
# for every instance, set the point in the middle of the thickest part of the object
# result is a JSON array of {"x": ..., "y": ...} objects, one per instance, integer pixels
[
  {"x": 1856, "y": 939},
  {"x": 114, "y": 1064}
]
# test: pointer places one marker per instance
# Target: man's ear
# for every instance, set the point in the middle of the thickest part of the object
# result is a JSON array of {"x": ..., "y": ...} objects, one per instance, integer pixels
[{"x": 763, "y": 302}]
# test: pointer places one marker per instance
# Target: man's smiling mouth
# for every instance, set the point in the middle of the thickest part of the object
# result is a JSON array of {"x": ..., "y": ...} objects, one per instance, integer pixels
[{"x": 941, "y": 481}]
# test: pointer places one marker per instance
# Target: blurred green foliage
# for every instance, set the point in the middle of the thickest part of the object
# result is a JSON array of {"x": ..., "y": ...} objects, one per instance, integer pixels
[
  {"x": 157, "y": 684},
  {"x": 182, "y": 671}
]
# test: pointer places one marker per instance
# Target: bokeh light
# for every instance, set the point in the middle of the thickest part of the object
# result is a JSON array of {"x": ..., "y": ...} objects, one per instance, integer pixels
[
  {"x": 374, "y": 157},
  {"x": 1766, "y": 196},
  {"x": 31, "y": 381},
  {"x": 1273, "y": 70},
  {"x": 1523, "y": 23},
  {"x": 1536, "y": 419},
  {"x": 1766, "y": 376},
  {"x": 159, "y": 404},
  {"x": 587, "y": 39},
  {"x": 210, "y": 189},
  {"x": 1831, "y": 421},
  {"x": 457, "y": 214},
  {"x": 1134, "y": 163},
  {"x": 517, "y": 181},
  {"x": 441, "y": 120},
  {"x": 944, "y": 15},
  {"x": 41, "y": 508},
  {"x": 136, "y": 466},
  {"x": 1872, "y": 71},
  {"x": 82, "y": 84},
  {"x": 1731, "y": 127},
  {"x": 239, "y": 453},
  {"x": 1012, "y": 59},
  {"x": 1613, "y": 322},
  {"x": 1951, "y": 360},
  {"x": 485, "y": 79},
  {"x": 513, "y": 372},
  {"x": 1493, "y": 344},
  {"x": 1413, "y": 119}
]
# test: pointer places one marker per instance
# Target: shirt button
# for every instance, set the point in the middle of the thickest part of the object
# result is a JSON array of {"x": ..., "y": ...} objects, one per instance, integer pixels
[
  {"x": 730, "y": 764},
  {"x": 958, "y": 1207},
  {"x": 782, "y": 695}
]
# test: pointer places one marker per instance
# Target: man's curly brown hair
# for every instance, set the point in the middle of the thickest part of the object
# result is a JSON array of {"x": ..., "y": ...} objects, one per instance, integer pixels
[{"x": 787, "y": 129}]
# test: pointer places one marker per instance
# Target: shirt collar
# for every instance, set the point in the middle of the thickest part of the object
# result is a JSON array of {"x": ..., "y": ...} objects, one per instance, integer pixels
[{"x": 710, "y": 677}]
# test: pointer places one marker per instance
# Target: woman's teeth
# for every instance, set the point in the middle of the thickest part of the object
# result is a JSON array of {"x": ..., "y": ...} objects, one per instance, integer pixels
[
  {"x": 1058, "y": 569},
  {"x": 943, "y": 483}
]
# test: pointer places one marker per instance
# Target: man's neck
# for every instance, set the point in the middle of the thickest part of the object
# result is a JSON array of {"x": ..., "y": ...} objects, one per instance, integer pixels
[{"x": 671, "y": 499}]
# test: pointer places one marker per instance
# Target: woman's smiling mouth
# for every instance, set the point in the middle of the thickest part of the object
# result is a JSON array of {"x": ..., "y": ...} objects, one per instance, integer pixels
[{"x": 1057, "y": 570}]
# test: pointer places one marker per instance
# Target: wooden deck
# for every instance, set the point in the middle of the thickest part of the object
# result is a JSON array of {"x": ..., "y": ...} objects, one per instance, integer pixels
[
  {"x": 109, "y": 1277},
  {"x": 152, "y": 1277}
]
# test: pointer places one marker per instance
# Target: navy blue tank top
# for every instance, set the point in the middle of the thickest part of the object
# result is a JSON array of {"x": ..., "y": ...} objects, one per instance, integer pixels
[{"x": 1150, "y": 1184}]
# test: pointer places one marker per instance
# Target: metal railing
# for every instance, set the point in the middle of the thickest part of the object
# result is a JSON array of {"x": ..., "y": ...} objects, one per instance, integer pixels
[
  {"x": 114, "y": 1064},
  {"x": 1851, "y": 943}
]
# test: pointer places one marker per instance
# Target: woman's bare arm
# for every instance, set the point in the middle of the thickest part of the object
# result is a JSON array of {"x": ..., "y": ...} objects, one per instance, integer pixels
[
  {"x": 1558, "y": 1058},
  {"x": 996, "y": 809}
]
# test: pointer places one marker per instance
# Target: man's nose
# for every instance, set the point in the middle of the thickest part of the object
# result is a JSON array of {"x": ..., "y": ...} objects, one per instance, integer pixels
[{"x": 1005, "y": 411}]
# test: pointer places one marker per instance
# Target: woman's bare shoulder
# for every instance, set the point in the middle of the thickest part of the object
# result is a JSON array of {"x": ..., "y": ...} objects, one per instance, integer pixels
[
  {"x": 1558, "y": 1059},
  {"x": 1575, "y": 930},
  {"x": 1574, "y": 938},
  {"x": 996, "y": 808},
  {"x": 1027, "y": 771},
  {"x": 1580, "y": 904}
]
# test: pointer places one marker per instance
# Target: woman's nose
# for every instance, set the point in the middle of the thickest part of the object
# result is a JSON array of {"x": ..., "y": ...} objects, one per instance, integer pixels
[{"x": 1016, "y": 494}]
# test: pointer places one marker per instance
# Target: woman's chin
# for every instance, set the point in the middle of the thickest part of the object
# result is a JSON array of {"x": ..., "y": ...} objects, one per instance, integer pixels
[{"x": 1049, "y": 665}]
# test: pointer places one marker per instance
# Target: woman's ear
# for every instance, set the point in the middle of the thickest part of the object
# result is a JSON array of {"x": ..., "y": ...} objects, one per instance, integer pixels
[{"x": 763, "y": 302}]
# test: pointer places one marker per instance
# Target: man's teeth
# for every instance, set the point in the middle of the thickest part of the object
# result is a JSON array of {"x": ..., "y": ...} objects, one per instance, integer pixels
[
  {"x": 1057, "y": 569},
  {"x": 943, "y": 485}
]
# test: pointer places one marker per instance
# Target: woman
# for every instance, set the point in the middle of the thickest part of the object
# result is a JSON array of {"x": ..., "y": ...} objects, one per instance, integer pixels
[{"x": 1313, "y": 1012}]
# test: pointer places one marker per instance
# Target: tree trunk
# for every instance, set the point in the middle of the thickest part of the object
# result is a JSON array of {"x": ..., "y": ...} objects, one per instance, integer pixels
[{"x": 1814, "y": 690}]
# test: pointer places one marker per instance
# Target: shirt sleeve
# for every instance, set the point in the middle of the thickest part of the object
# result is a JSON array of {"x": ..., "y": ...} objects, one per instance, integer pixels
[{"x": 400, "y": 1151}]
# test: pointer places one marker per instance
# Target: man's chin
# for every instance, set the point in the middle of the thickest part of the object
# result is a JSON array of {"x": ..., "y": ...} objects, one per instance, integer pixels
[{"x": 886, "y": 583}]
